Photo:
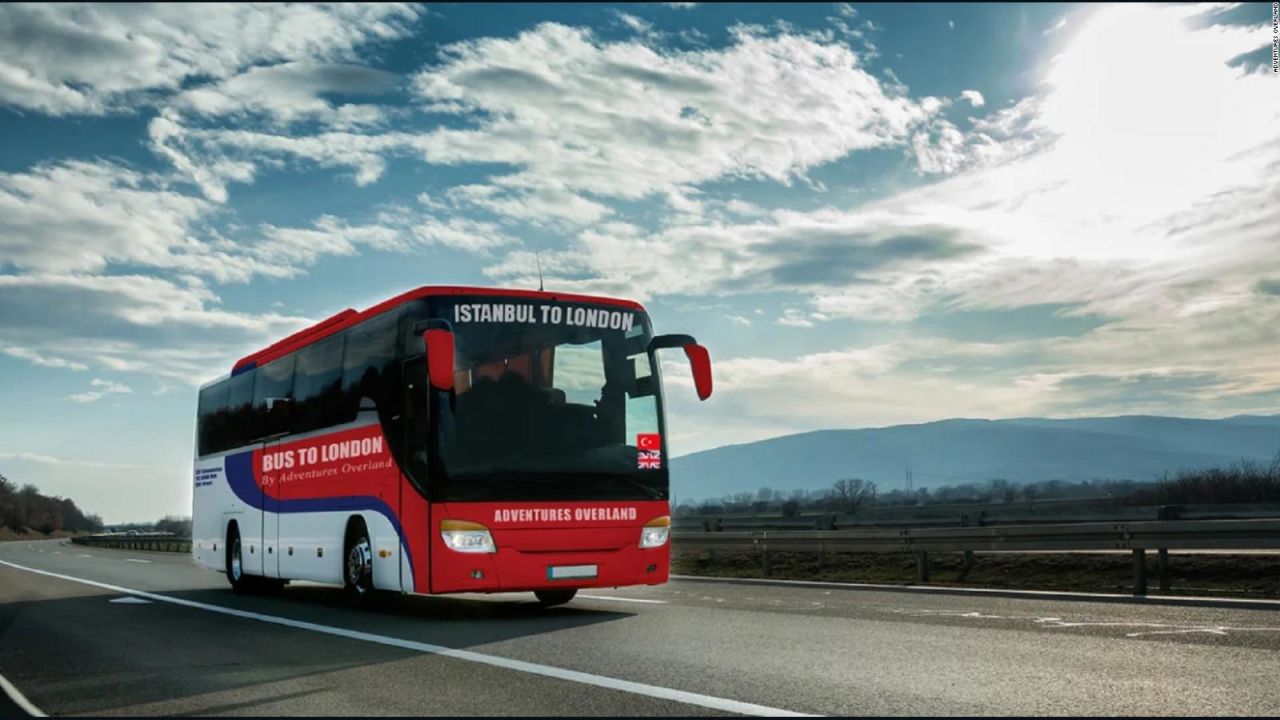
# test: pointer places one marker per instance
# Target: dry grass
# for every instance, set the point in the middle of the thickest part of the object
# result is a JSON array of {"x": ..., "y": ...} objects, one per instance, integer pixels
[{"x": 1254, "y": 576}]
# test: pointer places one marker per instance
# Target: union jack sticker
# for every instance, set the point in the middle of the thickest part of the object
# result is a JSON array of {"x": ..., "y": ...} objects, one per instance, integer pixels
[{"x": 649, "y": 459}]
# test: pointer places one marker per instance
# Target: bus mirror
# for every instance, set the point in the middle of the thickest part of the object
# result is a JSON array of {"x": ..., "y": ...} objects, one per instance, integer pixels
[
  {"x": 700, "y": 363},
  {"x": 439, "y": 346},
  {"x": 699, "y": 359}
]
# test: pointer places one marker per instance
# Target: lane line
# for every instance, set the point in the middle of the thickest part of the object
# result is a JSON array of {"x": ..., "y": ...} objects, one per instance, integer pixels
[
  {"x": 88, "y": 556},
  {"x": 635, "y": 688},
  {"x": 1191, "y": 600},
  {"x": 19, "y": 699},
  {"x": 624, "y": 599},
  {"x": 137, "y": 560}
]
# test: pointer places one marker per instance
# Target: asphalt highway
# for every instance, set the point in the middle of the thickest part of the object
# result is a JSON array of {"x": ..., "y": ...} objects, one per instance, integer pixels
[{"x": 107, "y": 632}]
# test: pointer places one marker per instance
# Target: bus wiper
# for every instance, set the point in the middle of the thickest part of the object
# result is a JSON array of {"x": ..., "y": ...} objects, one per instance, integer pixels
[{"x": 635, "y": 483}]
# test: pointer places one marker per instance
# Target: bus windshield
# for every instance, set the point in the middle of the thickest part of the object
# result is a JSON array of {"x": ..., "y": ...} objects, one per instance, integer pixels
[{"x": 553, "y": 402}]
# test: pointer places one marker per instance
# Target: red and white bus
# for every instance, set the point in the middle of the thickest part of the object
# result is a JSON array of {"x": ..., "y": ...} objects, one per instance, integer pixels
[{"x": 451, "y": 439}]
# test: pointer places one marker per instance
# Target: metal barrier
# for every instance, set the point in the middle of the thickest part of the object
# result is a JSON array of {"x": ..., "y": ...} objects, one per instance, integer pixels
[
  {"x": 146, "y": 542},
  {"x": 963, "y": 515},
  {"x": 1138, "y": 537}
]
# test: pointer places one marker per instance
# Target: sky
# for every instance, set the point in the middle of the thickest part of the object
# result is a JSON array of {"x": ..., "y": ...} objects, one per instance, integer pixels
[{"x": 870, "y": 215}]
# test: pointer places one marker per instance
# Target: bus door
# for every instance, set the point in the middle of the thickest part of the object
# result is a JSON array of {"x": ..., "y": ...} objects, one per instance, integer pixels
[
  {"x": 413, "y": 508},
  {"x": 271, "y": 516}
]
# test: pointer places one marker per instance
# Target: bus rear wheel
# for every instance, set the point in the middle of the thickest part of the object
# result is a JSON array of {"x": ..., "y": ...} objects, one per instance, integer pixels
[
  {"x": 551, "y": 598},
  {"x": 240, "y": 582}
]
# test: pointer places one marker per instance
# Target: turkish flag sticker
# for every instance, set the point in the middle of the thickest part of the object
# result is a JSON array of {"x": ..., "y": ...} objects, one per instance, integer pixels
[{"x": 648, "y": 441}]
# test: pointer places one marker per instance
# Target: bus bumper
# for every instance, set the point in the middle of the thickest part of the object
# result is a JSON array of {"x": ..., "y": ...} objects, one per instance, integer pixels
[{"x": 514, "y": 570}]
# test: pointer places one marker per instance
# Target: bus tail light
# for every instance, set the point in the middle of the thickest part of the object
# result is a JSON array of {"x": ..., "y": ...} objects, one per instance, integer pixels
[
  {"x": 655, "y": 532},
  {"x": 468, "y": 537}
]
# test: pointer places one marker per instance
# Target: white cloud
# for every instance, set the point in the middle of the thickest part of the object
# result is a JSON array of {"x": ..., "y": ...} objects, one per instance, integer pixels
[
  {"x": 974, "y": 97},
  {"x": 103, "y": 389},
  {"x": 81, "y": 216},
  {"x": 795, "y": 318},
  {"x": 43, "y": 459},
  {"x": 291, "y": 92},
  {"x": 625, "y": 120},
  {"x": 463, "y": 234},
  {"x": 36, "y": 358},
  {"x": 95, "y": 58},
  {"x": 130, "y": 323}
]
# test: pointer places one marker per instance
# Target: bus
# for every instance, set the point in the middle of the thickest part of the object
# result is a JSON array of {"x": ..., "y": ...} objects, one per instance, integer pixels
[{"x": 448, "y": 440}]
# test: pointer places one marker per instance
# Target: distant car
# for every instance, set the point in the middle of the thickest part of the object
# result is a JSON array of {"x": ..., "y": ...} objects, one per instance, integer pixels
[{"x": 131, "y": 532}]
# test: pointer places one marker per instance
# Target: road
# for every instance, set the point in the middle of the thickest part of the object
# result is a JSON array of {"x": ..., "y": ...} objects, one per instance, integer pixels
[{"x": 108, "y": 632}]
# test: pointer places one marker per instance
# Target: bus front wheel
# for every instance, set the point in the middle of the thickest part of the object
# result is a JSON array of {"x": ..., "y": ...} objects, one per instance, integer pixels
[
  {"x": 357, "y": 569},
  {"x": 551, "y": 598}
]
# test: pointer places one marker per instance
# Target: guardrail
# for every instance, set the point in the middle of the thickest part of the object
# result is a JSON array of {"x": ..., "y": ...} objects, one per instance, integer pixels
[
  {"x": 1138, "y": 537},
  {"x": 967, "y": 515},
  {"x": 149, "y": 542}
]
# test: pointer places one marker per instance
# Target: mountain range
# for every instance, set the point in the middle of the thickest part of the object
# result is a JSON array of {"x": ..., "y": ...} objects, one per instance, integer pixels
[{"x": 948, "y": 452}]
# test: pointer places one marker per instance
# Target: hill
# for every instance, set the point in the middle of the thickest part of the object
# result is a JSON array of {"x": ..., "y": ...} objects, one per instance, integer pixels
[{"x": 1137, "y": 447}]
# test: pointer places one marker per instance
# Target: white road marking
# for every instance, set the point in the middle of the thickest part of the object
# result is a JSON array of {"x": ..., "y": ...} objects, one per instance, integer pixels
[
  {"x": 130, "y": 600},
  {"x": 137, "y": 560},
  {"x": 654, "y": 691},
  {"x": 1154, "y": 628},
  {"x": 88, "y": 556},
  {"x": 967, "y": 590},
  {"x": 19, "y": 699},
  {"x": 623, "y": 599}
]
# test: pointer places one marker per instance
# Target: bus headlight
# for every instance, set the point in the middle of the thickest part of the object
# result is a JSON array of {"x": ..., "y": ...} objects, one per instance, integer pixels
[
  {"x": 467, "y": 537},
  {"x": 655, "y": 532}
]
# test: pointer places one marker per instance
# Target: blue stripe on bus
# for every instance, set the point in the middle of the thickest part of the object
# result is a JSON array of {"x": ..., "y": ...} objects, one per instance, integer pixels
[{"x": 240, "y": 478}]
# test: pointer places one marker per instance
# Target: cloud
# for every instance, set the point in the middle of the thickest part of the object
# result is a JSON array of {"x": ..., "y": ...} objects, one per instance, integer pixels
[
  {"x": 626, "y": 120},
  {"x": 795, "y": 318},
  {"x": 292, "y": 92},
  {"x": 81, "y": 216},
  {"x": 130, "y": 323},
  {"x": 36, "y": 358},
  {"x": 214, "y": 157},
  {"x": 974, "y": 97},
  {"x": 97, "y": 58},
  {"x": 42, "y": 459},
  {"x": 104, "y": 388}
]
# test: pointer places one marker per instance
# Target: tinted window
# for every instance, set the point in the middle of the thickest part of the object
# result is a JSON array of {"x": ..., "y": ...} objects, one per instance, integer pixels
[
  {"x": 212, "y": 420},
  {"x": 273, "y": 396},
  {"x": 317, "y": 385},
  {"x": 369, "y": 367},
  {"x": 242, "y": 426}
]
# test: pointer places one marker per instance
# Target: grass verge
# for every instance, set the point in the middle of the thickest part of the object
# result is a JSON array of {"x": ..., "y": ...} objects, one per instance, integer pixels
[{"x": 1252, "y": 576}]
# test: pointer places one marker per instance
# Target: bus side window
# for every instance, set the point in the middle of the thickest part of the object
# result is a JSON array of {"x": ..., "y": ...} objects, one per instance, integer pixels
[
  {"x": 241, "y": 428},
  {"x": 273, "y": 396},
  {"x": 317, "y": 385},
  {"x": 213, "y": 418},
  {"x": 369, "y": 368}
]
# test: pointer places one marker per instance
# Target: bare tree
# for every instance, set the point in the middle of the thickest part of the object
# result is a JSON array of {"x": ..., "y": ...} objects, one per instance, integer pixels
[{"x": 851, "y": 494}]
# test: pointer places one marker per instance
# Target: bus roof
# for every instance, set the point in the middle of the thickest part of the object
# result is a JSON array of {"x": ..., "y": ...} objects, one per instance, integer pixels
[{"x": 349, "y": 317}]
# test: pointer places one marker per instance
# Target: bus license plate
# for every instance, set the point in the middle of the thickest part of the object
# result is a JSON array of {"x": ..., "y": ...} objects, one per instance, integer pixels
[{"x": 569, "y": 572}]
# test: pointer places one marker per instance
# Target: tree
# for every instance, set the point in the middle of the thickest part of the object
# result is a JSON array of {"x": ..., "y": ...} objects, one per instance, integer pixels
[
  {"x": 180, "y": 526},
  {"x": 764, "y": 494},
  {"x": 850, "y": 494}
]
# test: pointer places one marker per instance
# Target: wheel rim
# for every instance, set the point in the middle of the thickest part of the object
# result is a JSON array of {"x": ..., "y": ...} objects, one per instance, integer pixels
[
  {"x": 235, "y": 559},
  {"x": 360, "y": 564}
]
